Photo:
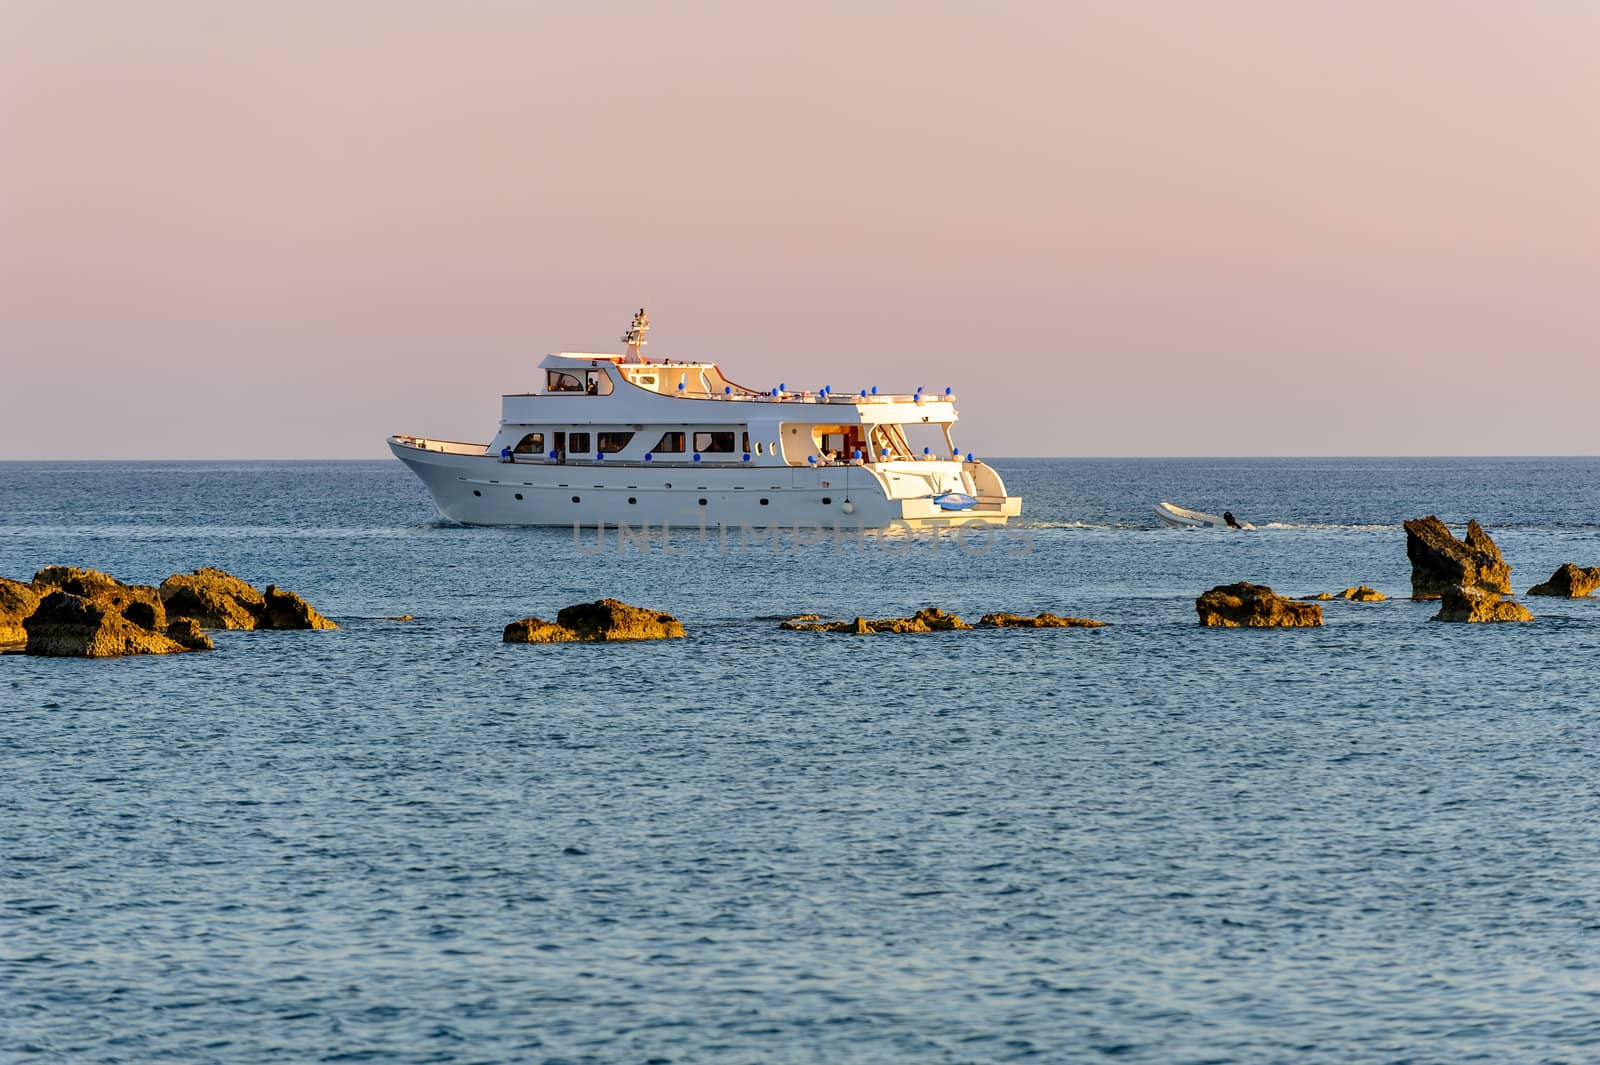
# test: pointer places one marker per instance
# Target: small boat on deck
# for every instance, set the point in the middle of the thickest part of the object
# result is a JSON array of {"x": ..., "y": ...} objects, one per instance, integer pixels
[{"x": 1177, "y": 517}]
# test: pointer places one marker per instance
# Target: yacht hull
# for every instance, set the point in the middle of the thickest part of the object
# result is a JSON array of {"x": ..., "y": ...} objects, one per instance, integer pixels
[{"x": 479, "y": 489}]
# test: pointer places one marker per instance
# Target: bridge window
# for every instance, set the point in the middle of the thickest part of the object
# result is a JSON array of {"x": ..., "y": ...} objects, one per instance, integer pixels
[
  {"x": 714, "y": 443},
  {"x": 671, "y": 444},
  {"x": 611, "y": 443},
  {"x": 556, "y": 381},
  {"x": 597, "y": 383},
  {"x": 532, "y": 444}
]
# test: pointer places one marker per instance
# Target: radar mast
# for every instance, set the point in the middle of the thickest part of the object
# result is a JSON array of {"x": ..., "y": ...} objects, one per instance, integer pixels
[{"x": 634, "y": 337}]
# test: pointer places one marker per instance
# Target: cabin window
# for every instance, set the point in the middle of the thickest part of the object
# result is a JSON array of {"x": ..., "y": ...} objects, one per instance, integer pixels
[
  {"x": 714, "y": 443},
  {"x": 671, "y": 444},
  {"x": 597, "y": 383},
  {"x": 744, "y": 441},
  {"x": 556, "y": 381},
  {"x": 645, "y": 380},
  {"x": 532, "y": 444},
  {"x": 611, "y": 443},
  {"x": 759, "y": 446},
  {"x": 578, "y": 443}
]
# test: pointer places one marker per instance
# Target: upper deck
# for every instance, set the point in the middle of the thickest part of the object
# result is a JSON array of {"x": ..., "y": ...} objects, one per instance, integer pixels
[{"x": 599, "y": 374}]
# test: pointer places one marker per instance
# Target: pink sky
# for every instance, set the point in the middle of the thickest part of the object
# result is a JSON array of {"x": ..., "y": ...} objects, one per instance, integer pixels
[{"x": 288, "y": 229}]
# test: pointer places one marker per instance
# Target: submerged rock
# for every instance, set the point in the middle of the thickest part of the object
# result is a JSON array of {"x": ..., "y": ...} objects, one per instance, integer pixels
[
  {"x": 537, "y": 630},
  {"x": 1042, "y": 621},
  {"x": 1474, "y": 605},
  {"x": 67, "y": 625},
  {"x": 17, "y": 602},
  {"x": 1359, "y": 594},
  {"x": 1254, "y": 606},
  {"x": 1440, "y": 562},
  {"x": 928, "y": 619},
  {"x": 1570, "y": 581},
  {"x": 606, "y": 621}
]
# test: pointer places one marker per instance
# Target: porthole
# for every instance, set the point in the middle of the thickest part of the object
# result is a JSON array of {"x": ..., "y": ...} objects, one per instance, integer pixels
[
  {"x": 763, "y": 502},
  {"x": 476, "y": 492},
  {"x": 702, "y": 502},
  {"x": 631, "y": 499},
  {"x": 519, "y": 495},
  {"x": 825, "y": 499},
  {"x": 574, "y": 499}
]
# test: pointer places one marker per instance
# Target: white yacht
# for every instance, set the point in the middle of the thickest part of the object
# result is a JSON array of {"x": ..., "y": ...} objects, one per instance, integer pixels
[{"x": 621, "y": 440}]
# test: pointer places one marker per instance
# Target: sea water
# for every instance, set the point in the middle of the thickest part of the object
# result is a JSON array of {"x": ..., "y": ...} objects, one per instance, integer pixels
[{"x": 410, "y": 842}]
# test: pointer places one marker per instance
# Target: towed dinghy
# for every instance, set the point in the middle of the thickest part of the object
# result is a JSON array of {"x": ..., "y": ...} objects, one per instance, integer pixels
[{"x": 1177, "y": 517}]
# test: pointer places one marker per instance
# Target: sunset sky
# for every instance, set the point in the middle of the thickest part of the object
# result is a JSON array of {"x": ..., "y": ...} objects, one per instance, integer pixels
[{"x": 287, "y": 229}]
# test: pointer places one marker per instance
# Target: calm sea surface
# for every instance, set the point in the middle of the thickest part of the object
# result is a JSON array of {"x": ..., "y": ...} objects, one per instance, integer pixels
[{"x": 408, "y": 842}]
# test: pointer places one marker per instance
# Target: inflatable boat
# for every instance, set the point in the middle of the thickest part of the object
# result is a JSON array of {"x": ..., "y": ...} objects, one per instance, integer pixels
[{"x": 1183, "y": 518}]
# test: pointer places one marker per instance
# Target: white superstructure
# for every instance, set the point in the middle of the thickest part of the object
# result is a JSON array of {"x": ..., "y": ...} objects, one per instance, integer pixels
[{"x": 623, "y": 441}]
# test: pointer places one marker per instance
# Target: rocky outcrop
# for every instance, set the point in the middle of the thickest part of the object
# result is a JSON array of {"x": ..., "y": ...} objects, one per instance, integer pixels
[
  {"x": 1475, "y": 605},
  {"x": 612, "y": 619},
  {"x": 285, "y": 610},
  {"x": 928, "y": 619},
  {"x": 1359, "y": 594},
  {"x": 1440, "y": 562},
  {"x": 215, "y": 599},
  {"x": 1042, "y": 621},
  {"x": 17, "y": 602},
  {"x": 1254, "y": 606},
  {"x": 186, "y": 632},
  {"x": 138, "y": 603},
  {"x": 1570, "y": 581},
  {"x": 606, "y": 621},
  {"x": 66, "y": 625}
]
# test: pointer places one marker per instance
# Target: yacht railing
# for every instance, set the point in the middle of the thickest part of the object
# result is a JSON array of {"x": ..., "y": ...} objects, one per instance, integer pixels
[
  {"x": 850, "y": 399},
  {"x": 449, "y": 447}
]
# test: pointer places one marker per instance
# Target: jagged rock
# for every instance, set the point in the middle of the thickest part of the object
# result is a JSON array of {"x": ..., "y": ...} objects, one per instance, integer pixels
[
  {"x": 1475, "y": 605},
  {"x": 75, "y": 580},
  {"x": 285, "y": 610},
  {"x": 1440, "y": 562},
  {"x": 1254, "y": 606},
  {"x": 214, "y": 599},
  {"x": 186, "y": 631},
  {"x": 1043, "y": 621},
  {"x": 139, "y": 603},
  {"x": 605, "y": 621},
  {"x": 537, "y": 630},
  {"x": 400, "y": 617},
  {"x": 67, "y": 625},
  {"x": 928, "y": 619},
  {"x": 17, "y": 602},
  {"x": 1570, "y": 581}
]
